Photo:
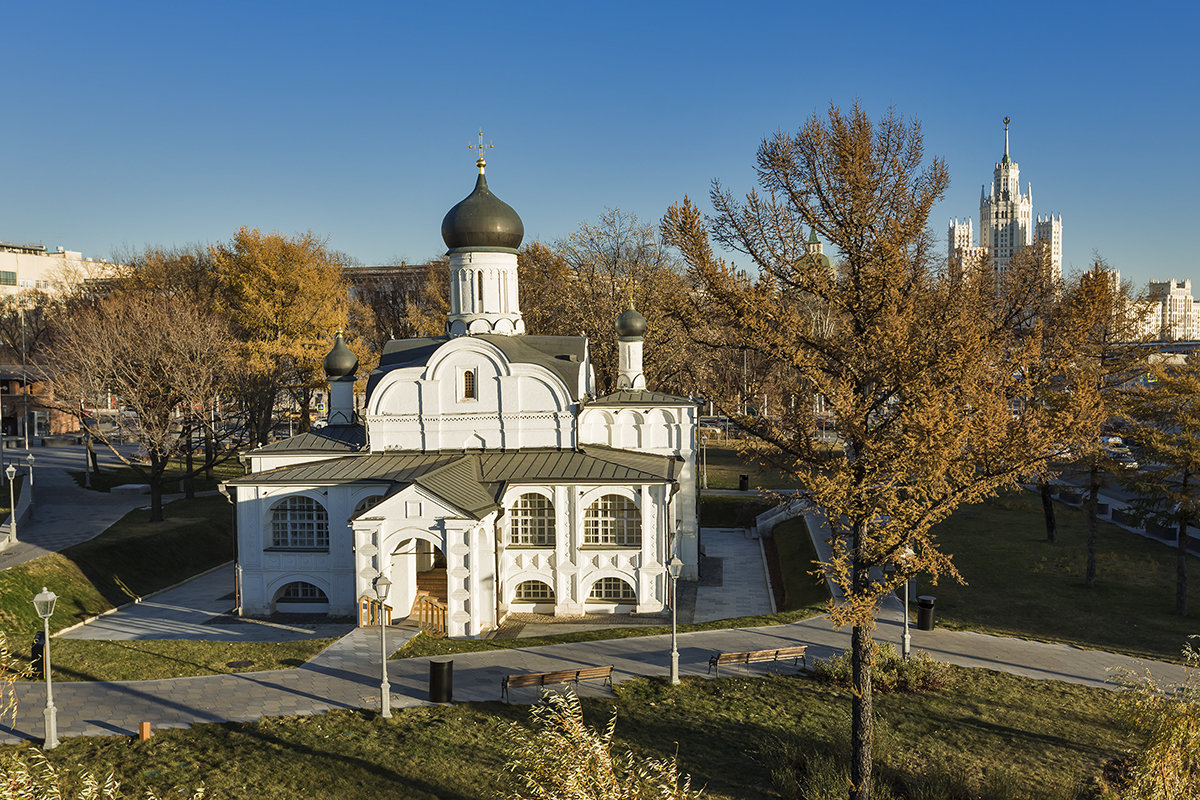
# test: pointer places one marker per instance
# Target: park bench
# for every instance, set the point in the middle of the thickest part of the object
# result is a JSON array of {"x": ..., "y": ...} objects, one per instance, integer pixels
[
  {"x": 796, "y": 653},
  {"x": 526, "y": 679}
]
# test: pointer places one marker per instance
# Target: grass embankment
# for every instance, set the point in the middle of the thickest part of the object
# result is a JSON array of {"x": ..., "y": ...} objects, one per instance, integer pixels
[
  {"x": 88, "y": 660},
  {"x": 131, "y": 559},
  {"x": 737, "y": 737},
  {"x": 109, "y": 477},
  {"x": 1021, "y": 585}
]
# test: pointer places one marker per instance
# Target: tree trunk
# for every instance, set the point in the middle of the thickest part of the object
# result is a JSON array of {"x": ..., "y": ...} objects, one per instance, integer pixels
[
  {"x": 1093, "y": 498},
  {"x": 1048, "y": 512},
  {"x": 158, "y": 466},
  {"x": 208, "y": 453},
  {"x": 305, "y": 422},
  {"x": 1181, "y": 549},
  {"x": 189, "y": 481},
  {"x": 862, "y": 656}
]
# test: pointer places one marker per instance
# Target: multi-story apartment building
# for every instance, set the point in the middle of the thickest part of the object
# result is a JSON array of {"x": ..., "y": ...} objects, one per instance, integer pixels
[{"x": 1172, "y": 313}]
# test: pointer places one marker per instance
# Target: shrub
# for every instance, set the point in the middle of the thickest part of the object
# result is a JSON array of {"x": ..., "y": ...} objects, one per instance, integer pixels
[{"x": 890, "y": 672}]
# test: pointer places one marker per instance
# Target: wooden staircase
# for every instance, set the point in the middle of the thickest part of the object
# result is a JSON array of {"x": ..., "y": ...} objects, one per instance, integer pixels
[{"x": 429, "y": 608}]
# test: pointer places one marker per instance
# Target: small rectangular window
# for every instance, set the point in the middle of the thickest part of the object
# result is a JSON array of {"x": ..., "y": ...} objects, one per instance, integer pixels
[
  {"x": 8, "y": 278},
  {"x": 468, "y": 385}
]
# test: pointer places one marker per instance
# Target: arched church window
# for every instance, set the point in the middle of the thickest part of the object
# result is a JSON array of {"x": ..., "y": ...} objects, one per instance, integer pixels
[
  {"x": 612, "y": 590},
  {"x": 468, "y": 385},
  {"x": 301, "y": 592},
  {"x": 613, "y": 520},
  {"x": 367, "y": 502},
  {"x": 299, "y": 523},
  {"x": 532, "y": 521},
  {"x": 533, "y": 592},
  {"x": 480, "y": 291}
]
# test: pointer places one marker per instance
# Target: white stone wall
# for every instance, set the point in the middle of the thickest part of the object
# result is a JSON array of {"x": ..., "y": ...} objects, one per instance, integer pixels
[{"x": 515, "y": 405}]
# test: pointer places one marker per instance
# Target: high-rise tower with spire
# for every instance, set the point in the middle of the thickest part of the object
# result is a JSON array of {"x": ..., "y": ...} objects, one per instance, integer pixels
[{"x": 1006, "y": 223}]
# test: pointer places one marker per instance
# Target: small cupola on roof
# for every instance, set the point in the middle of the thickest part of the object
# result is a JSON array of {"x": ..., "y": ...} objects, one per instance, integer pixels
[
  {"x": 631, "y": 328},
  {"x": 340, "y": 367},
  {"x": 341, "y": 361},
  {"x": 483, "y": 233}
]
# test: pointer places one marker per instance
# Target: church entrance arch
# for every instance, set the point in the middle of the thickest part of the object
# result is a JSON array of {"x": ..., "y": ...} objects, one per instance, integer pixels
[{"x": 416, "y": 561}]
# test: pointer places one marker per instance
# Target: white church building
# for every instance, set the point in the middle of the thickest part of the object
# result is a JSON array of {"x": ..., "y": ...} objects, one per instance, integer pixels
[{"x": 482, "y": 455}]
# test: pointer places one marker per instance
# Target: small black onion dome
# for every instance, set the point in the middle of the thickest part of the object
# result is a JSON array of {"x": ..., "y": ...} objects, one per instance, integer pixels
[
  {"x": 631, "y": 324},
  {"x": 341, "y": 361},
  {"x": 482, "y": 220}
]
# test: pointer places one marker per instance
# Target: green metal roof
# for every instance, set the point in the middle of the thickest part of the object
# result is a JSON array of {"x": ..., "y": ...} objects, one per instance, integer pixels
[
  {"x": 640, "y": 397},
  {"x": 474, "y": 482},
  {"x": 332, "y": 438}
]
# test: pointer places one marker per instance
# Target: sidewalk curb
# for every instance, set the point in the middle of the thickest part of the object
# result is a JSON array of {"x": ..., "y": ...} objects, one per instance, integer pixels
[{"x": 139, "y": 599}]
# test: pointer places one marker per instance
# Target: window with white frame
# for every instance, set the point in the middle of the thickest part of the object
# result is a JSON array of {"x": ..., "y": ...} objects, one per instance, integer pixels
[
  {"x": 613, "y": 520},
  {"x": 301, "y": 592},
  {"x": 531, "y": 521},
  {"x": 299, "y": 523},
  {"x": 367, "y": 502},
  {"x": 533, "y": 592},
  {"x": 612, "y": 590}
]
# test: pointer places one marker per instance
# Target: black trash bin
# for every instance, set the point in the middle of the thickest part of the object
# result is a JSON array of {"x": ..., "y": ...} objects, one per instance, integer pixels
[
  {"x": 925, "y": 612},
  {"x": 441, "y": 680},
  {"x": 743, "y": 482},
  {"x": 38, "y": 651}
]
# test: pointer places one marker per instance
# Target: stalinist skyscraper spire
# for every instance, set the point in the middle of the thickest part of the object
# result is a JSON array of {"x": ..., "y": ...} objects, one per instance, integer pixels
[{"x": 1006, "y": 224}]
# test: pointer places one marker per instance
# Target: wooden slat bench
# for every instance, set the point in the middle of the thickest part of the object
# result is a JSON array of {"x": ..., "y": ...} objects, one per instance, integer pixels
[
  {"x": 797, "y": 654},
  {"x": 526, "y": 679}
]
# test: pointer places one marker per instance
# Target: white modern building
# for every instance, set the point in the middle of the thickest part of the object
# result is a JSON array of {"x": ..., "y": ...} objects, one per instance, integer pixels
[
  {"x": 1006, "y": 223},
  {"x": 31, "y": 266},
  {"x": 1172, "y": 313},
  {"x": 482, "y": 456}
]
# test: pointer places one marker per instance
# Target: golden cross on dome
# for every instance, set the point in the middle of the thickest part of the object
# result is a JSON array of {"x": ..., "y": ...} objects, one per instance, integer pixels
[{"x": 481, "y": 147}]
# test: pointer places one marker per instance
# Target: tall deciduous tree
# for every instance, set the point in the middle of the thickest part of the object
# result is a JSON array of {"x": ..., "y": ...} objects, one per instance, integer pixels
[
  {"x": 285, "y": 297},
  {"x": 163, "y": 356},
  {"x": 926, "y": 378},
  {"x": 1164, "y": 419},
  {"x": 582, "y": 283},
  {"x": 1101, "y": 318}
]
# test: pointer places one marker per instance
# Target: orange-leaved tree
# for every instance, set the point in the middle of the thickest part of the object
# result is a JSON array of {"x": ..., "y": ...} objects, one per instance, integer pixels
[{"x": 929, "y": 382}]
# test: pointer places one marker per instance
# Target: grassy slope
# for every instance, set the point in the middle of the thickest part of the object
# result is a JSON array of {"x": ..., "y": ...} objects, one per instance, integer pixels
[
  {"x": 130, "y": 559},
  {"x": 109, "y": 477},
  {"x": 1042, "y": 737},
  {"x": 725, "y": 465},
  {"x": 796, "y": 562},
  {"x": 1018, "y": 584}
]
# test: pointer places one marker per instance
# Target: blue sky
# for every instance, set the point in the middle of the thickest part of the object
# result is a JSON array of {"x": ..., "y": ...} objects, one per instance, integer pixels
[{"x": 129, "y": 124}]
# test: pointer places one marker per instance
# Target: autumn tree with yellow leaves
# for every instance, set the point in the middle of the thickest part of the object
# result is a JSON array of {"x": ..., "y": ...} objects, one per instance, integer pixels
[{"x": 927, "y": 380}]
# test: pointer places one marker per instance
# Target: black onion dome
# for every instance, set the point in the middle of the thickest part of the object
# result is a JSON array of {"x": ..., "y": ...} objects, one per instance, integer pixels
[
  {"x": 482, "y": 220},
  {"x": 341, "y": 361},
  {"x": 631, "y": 324}
]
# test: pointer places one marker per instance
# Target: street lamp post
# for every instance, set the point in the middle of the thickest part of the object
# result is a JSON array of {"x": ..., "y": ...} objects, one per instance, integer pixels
[
  {"x": 44, "y": 603},
  {"x": 382, "y": 584},
  {"x": 674, "y": 566},
  {"x": 29, "y": 461},
  {"x": 11, "y": 472},
  {"x": 906, "y": 641}
]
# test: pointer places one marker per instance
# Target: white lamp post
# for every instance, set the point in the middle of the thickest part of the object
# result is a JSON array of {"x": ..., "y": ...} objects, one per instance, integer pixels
[
  {"x": 674, "y": 566},
  {"x": 29, "y": 461},
  {"x": 382, "y": 584},
  {"x": 906, "y": 641},
  {"x": 44, "y": 603},
  {"x": 11, "y": 472}
]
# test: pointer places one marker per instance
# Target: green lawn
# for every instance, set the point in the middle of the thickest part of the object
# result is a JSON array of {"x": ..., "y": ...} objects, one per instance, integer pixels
[
  {"x": 131, "y": 559},
  {"x": 87, "y": 660},
  {"x": 731, "y": 511},
  {"x": 738, "y": 737},
  {"x": 796, "y": 564},
  {"x": 725, "y": 465},
  {"x": 1018, "y": 584}
]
